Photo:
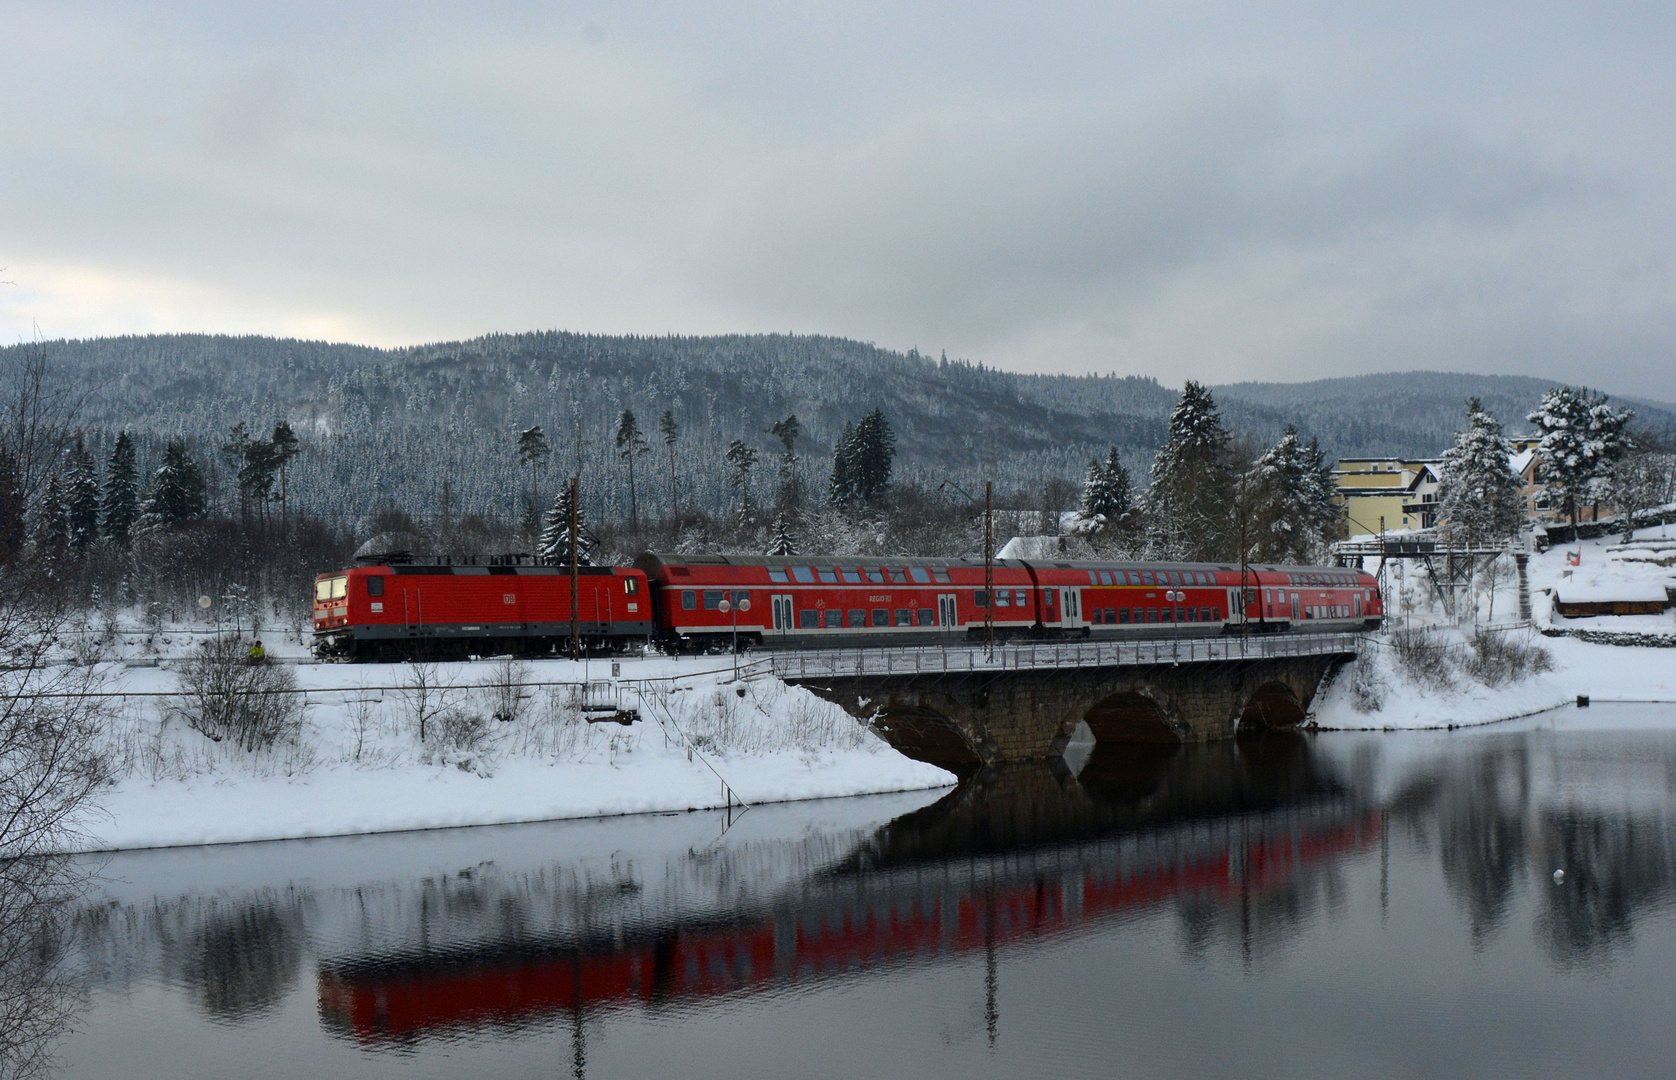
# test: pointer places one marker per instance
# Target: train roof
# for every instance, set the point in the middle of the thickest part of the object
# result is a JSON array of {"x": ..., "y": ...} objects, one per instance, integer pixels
[{"x": 652, "y": 561}]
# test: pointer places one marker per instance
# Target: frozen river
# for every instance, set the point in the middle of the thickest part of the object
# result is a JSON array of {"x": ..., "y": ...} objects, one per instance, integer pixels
[{"x": 1331, "y": 906}]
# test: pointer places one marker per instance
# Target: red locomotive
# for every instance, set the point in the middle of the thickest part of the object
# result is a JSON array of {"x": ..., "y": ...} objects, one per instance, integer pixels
[{"x": 692, "y": 602}]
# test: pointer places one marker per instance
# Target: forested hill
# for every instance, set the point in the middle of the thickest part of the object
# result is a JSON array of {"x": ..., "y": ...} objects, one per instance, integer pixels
[
  {"x": 1413, "y": 413},
  {"x": 388, "y": 426}
]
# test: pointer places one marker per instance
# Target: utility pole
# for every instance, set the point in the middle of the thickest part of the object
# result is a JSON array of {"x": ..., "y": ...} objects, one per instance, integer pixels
[
  {"x": 575, "y": 577},
  {"x": 989, "y": 569}
]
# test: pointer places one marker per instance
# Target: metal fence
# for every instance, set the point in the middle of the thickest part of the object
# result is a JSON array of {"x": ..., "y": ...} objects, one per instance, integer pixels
[{"x": 938, "y": 660}]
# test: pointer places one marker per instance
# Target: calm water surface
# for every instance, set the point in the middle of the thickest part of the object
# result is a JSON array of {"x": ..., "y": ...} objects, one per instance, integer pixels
[{"x": 1334, "y": 906}]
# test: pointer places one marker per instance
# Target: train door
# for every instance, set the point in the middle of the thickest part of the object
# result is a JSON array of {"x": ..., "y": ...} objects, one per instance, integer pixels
[
  {"x": 1070, "y": 611},
  {"x": 782, "y": 613},
  {"x": 1295, "y": 616},
  {"x": 948, "y": 616},
  {"x": 1357, "y": 601}
]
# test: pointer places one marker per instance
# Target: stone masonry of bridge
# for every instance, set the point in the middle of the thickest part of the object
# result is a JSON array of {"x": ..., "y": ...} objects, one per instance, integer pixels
[{"x": 963, "y": 722}]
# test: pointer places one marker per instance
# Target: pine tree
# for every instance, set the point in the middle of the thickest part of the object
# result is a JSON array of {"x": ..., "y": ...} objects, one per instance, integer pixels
[
  {"x": 1582, "y": 438},
  {"x": 783, "y": 543},
  {"x": 841, "y": 491},
  {"x": 177, "y": 491},
  {"x": 81, "y": 498},
  {"x": 553, "y": 547},
  {"x": 52, "y": 539},
  {"x": 122, "y": 492},
  {"x": 875, "y": 450},
  {"x": 285, "y": 446},
  {"x": 1192, "y": 492},
  {"x": 670, "y": 432},
  {"x": 743, "y": 459},
  {"x": 532, "y": 451},
  {"x": 787, "y": 431},
  {"x": 1479, "y": 491},
  {"x": 630, "y": 445},
  {"x": 1106, "y": 489}
]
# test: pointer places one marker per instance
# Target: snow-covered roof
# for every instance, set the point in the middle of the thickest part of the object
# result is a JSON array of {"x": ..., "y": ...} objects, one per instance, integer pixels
[
  {"x": 1520, "y": 461},
  {"x": 1610, "y": 592}
]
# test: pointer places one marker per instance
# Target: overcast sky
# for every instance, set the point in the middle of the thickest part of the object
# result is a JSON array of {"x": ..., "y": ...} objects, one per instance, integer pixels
[{"x": 1212, "y": 191}]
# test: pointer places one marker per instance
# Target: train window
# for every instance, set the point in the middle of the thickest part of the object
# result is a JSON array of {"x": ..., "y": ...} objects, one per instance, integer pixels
[
  {"x": 777, "y": 574},
  {"x": 1047, "y": 597},
  {"x": 1139, "y": 615},
  {"x": 1122, "y": 614},
  {"x": 340, "y": 588},
  {"x": 919, "y": 575},
  {"x": 809, "y": 619},
  {"x": 1216, "y": 614},
  {"x": 1111, "y": 616},
  {"x": 834, "y": 618},
  {"x": 881, "y": 617},
  {"x": 712, "y": 599},
  {"x": 1093, "y": 578},
  {"x": 925, "y": 617},
  {"x": 803, "y": 574},
  {"x": 941, "y": 576},
  {"x": 740, "y": 596},
  {"x": 899, "y": 575},
  {"x": 375, "y": 585},
  {"x": 1003, "y": 598},
  {"x": 689, "y": 600},
  {"x": 828, "y": 577},
  {"x": 1192, "y": 614},
  {"x": 323, "y": 589},
  {"x": 631, "y": 585},
  {"x": 1151, "y": 614},
  {"x": 1164, "y": 614},
  {"x": 902, "y": 617},
  {"x": 1097, "y": 616},
  {"x": 1146, "y": 579},
  {"x": 1280, "y": 595},
  {"x": 858, "y": 617},
  {"x": 1105, "y": 577},
  {"x": 875, "y": 575},
  {"x": 980, "y": 598},
  {"x": 851, "y": 575},
  {"x": 1021, "y": 598},
  {"x": 1124, "y": 579}
]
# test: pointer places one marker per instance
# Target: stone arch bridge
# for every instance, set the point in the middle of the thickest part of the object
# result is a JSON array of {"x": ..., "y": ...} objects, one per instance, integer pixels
[{"x": 962, "y": 709}]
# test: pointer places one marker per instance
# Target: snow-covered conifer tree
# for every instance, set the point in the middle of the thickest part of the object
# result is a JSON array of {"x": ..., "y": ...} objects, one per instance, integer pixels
[
  {"x": 1582, "y": 438},
  {"x": 81, "y": 498},
  {"x": 1106, "y": 489},
  {"x": 553, "y": 547},
  {"x": 1191, "y": 497},
  {"x": 177, "y": 491},
  {"x": 783, "y": 543},
  {"x": 121, "y": 505},
  {"x": 1479, "y": 491}
]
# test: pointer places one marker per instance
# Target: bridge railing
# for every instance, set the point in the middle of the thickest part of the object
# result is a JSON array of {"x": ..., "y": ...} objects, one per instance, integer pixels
[{"x": 1048, "y": 656}]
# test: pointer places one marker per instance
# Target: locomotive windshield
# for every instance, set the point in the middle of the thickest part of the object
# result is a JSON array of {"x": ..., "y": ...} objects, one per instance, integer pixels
[{"x": 334, "y": 588}]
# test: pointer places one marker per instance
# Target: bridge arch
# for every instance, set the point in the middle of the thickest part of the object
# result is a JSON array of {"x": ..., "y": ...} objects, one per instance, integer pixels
[
  {"x": 1131, "y": 717},
  {"x": 925, "y": 734},
  {"x": 1272, "y": 705}
]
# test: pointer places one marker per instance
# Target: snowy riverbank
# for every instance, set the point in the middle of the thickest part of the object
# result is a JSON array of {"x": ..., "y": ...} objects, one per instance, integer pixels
[{"x": 358, "y": 764}]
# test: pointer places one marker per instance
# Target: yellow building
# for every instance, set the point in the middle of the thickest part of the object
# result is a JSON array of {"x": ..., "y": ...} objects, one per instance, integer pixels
[{"x": 1387, "y": 494}]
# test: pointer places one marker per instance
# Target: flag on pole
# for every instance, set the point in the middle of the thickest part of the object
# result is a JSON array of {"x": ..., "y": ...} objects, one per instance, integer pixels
[{"x": 1575, "y": 558}]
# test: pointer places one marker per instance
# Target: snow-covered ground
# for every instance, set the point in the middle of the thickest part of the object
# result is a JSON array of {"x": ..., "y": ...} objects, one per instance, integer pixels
[
  {"x": 1448, "y": 693},
  {"x": 359, "y": 764}
]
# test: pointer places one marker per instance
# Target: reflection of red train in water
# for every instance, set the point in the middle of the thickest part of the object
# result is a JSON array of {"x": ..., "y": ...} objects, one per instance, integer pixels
[
  {"x": 889, "y": 918},
  {"x": 695, "y": 601}
]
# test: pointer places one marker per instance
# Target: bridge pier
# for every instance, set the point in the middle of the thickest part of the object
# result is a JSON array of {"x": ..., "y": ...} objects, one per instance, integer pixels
[{"x": 968, "y": 720}]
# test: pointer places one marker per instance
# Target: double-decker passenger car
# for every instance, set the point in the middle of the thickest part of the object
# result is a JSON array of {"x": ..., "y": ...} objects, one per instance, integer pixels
[{"x": 711, "y": 601}]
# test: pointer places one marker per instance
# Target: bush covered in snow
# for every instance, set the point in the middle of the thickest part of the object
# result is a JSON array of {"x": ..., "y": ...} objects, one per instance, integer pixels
[{"x": 224, "y": 696}]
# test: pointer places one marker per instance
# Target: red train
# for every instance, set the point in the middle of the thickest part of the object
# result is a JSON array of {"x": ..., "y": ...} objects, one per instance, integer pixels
[{"x": 395, "y": 611}]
